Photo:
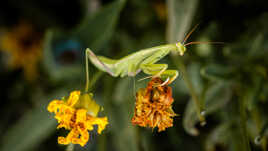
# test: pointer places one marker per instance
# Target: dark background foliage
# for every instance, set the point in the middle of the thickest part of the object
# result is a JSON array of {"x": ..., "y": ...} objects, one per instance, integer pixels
[{"x": 229, "y": 80}]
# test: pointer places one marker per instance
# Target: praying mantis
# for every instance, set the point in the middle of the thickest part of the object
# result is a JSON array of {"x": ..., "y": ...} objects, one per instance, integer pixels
[{"x": 144, "y": 60}]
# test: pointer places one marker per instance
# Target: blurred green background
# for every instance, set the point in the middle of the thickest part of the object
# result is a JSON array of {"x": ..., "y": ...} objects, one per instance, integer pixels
[{"x": 42, "y": 47}]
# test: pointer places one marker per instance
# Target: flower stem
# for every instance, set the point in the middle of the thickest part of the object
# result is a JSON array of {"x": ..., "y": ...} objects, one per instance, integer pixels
[
  {"x": 243, "y": 122},
  {"x": 94, "y": 79},
  {"x": 102, "y": 143},
  {"x": 70, "y": 147},
  {"x": 87, "y": 75}
]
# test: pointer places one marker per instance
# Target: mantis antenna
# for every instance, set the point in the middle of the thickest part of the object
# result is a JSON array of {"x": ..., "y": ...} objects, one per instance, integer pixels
[
  {"x": 203, "y": 42},
  {"x": 189, "y": 34},
  {"x": 197, "y": 42}
]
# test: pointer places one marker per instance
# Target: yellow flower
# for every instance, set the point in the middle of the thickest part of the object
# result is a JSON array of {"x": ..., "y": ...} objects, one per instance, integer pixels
[
  {"x": 24, "y": 43},
  {"x": 154, "y": 106},
  {"x": 79, "y": 115}
]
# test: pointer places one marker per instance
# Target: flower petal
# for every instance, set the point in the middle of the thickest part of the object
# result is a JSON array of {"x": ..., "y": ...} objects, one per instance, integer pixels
[{"x": 73, "y": 98}]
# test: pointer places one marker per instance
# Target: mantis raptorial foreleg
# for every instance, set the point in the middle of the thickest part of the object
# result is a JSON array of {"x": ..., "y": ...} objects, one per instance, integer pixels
[
  {"x": 172, "y": 74},
  {"x": 159, "y": 70},
  {"x": 154, "y": 69}
]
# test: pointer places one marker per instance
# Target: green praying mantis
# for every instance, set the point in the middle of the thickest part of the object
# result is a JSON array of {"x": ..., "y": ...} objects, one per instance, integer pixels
[{"x": 144, "y": 60}]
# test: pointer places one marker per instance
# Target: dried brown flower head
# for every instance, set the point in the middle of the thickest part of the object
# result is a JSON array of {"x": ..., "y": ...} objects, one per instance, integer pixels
[{"x": 154, "y": 106}]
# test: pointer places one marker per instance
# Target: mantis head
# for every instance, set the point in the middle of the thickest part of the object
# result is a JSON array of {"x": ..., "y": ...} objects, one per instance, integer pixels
[{"x": 180, "y": 48}]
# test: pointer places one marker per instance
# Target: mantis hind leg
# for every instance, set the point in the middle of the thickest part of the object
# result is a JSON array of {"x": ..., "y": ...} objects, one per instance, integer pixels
[{"x": 159, "y": 70}]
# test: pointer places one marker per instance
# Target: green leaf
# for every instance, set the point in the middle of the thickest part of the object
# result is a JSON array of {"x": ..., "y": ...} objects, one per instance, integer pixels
[
  {"x": 95, "y": 32},
  {"x": 123, "y": 91},
  {"x": 35, "y": 126},
  {"x": 123, "y": 133},
  {"x": 193, "y": 71},
  {"x": 215, "y": 98},
  {"x": 219, "y": 136},
  {"x": 98, "y": 29},
  {"x": 55, "y": 70},
  {"x": 218, "y": 72},
  {"x": 119, "y": 107},
  {"x": 180, "y": 17},
  {"x": 253, "y": 92},
  {"x": 190, "y": 116},
  {"x": 190, "y": 119}
]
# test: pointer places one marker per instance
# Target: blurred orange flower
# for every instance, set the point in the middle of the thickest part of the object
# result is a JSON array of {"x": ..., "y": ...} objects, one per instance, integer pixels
[
  {"x": 154, "y": 106},
  {"x": 160, "y": 9},
  {"x": 77, "y": 114},
  {"x": 24, "y": 43}
]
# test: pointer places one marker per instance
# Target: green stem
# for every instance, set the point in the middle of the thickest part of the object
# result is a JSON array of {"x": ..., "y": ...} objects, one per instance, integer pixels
[
  {"x": 259, "y": 123},
  {"x": 138, "y": 138},
  {"x": 242, "y": 114},
  {"x": 70, "y": 147},
  {"x": 179, "y": 64},
  {"x": 243, "y": 118},
  {"x": 87, "y": 75},
  {"x": 94, "y": 79},
  {"x": 102, "y": 142}
]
